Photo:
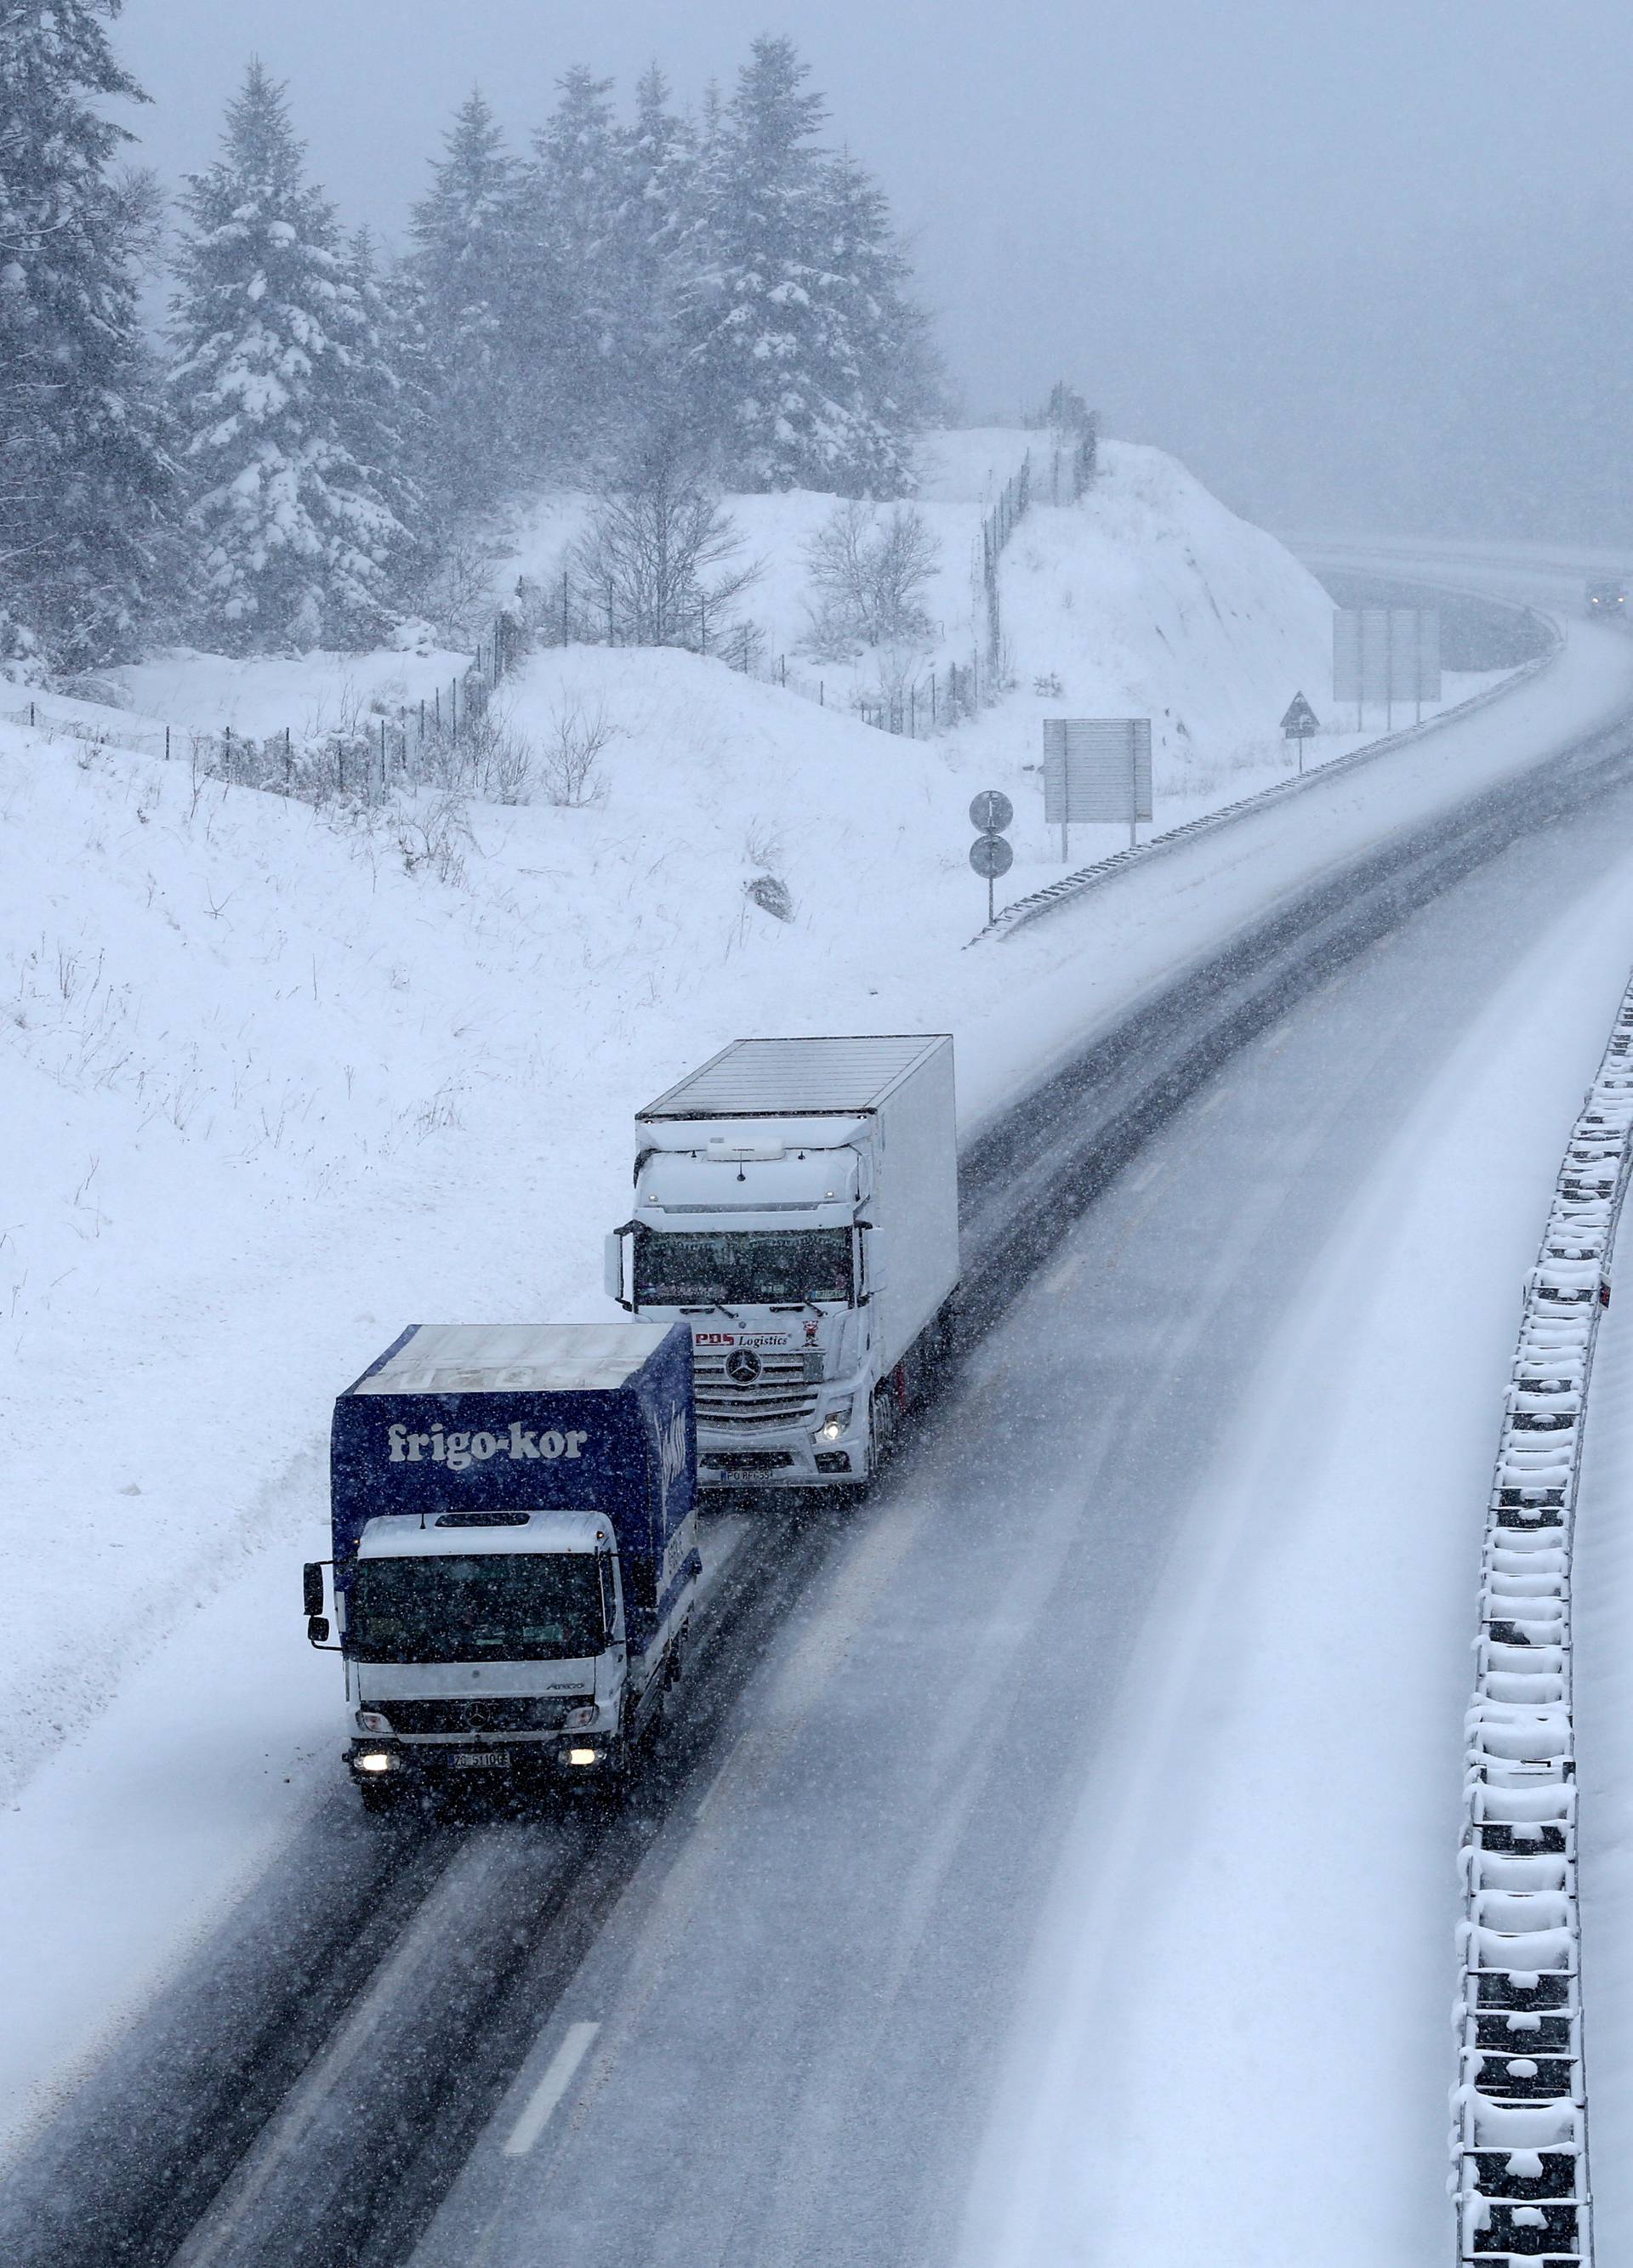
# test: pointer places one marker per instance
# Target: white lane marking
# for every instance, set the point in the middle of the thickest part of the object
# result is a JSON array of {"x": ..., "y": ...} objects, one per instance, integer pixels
[
  {"x": 545, "y": 2096},
  {"x": 1144, "y": 1180}
]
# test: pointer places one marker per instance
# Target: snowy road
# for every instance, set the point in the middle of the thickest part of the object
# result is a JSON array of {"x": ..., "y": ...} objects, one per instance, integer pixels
[
  {"x": 805, "y": 2013},
  {"x": 769, "y": 2017}
]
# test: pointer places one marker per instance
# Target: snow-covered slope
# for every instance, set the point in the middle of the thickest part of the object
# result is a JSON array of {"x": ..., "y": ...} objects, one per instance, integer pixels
[
  {"x": 277, "y": 1081},
  {"x": 280, "y": 1079}
]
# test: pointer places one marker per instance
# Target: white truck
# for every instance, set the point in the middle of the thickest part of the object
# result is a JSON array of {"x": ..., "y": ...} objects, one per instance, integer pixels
[{"x": 796, "y": 1205}]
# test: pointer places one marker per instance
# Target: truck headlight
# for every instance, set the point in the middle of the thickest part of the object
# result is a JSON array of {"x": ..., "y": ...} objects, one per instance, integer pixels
[
  {"x": 375, "y": 1761},
  {"x": 836, "y": 1423},
  {"x": 576, "y": 1718},
  {"x": 370, "y": 1720}
]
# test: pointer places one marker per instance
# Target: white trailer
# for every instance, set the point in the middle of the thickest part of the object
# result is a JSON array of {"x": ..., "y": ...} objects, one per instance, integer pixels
[{"x": 796, "y": 1204}]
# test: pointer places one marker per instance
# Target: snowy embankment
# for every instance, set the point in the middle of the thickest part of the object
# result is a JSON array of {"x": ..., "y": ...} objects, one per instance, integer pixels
[{"x": 280, "y": 1080}]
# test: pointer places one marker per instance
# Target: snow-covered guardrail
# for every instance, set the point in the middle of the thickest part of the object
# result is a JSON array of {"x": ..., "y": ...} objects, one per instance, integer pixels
[
  {"x": 1021, "y": 911},
  {"x": 1520, "y": 2108}
]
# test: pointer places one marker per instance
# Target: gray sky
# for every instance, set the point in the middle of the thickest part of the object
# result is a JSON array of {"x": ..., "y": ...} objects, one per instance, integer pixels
[{"x": 1361, "y": 262}]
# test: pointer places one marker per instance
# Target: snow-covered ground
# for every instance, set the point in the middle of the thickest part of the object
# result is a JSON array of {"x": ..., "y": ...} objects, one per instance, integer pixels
[{"x": 280, "y": 1080}]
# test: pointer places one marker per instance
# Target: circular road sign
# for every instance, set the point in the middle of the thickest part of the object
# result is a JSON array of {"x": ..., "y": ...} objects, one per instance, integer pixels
[
  {"x": 990, "y": 812},
  {"x": 991, "y": 856}
]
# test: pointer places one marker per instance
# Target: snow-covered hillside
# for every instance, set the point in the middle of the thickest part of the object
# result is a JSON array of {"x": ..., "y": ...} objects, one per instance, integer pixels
[{"x": 281, "y": 1078}]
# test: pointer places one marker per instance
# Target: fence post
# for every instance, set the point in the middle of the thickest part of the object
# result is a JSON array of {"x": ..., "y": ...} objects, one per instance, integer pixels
[
  {"x": 289, "y": 758},
  {"x": 564, "y": 605},
  {"x": 382, "y": 755},
  {"x": 226, "y": 757},
  {"x": 931, "y": 700},
  {"x": 166, "y": 744},
  {"x": 822, "y": 700}
]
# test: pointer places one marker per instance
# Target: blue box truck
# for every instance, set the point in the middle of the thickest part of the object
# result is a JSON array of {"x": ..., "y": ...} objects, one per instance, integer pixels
[{"x": 515, "y": 1552}]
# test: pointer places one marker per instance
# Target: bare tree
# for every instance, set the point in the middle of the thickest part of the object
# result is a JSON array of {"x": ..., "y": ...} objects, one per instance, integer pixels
[
  {"x": 651, "y": 551},
  {"x": 869, "y": 578}
]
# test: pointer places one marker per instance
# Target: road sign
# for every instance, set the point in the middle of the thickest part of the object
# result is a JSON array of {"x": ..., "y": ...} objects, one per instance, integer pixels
[
  {"x": 1097, "y": 769},
  {"x": 1300, "y": 720},
  {"x": 1387, "y": 654},
  {"x": 990, "y": 812},
  {"x": 989, "y": 854}
]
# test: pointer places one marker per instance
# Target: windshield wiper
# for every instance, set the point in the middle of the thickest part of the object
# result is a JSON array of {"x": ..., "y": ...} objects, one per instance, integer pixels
[{"x": 712, "y": 1306}]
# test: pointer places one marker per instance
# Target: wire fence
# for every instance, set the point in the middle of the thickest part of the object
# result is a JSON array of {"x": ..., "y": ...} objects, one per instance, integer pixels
[{"x": 440, "y": 737}]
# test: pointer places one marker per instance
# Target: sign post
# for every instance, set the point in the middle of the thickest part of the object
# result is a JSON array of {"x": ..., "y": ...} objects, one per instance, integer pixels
[
  {"x": 989, "y": 854},
  {"x": 1299, "y": 724},
  {"x": 1095, "y": 770}
]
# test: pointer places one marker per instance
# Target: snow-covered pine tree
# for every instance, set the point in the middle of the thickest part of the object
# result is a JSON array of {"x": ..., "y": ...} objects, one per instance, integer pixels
[
  {"x": 297, "y": 545},
  {"x": 464, "y": 271},
  {"x": 580, "y": 321},
  {"x": 661, "y": 165},
  {"x": 884, "y": 369},
  {"x": 380, "y": 415},
  {"x": 785, "y": 344},
  {"x": 85, "y": 483}
]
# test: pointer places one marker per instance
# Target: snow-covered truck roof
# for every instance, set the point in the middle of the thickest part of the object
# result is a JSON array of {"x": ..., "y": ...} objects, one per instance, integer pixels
[
  {"x": 795, "y": 1078},
  {"x": 512, "y": 1358}
]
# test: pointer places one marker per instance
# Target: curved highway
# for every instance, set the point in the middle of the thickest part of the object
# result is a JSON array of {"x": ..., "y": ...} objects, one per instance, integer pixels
[{"x": 757, "y": 2018}]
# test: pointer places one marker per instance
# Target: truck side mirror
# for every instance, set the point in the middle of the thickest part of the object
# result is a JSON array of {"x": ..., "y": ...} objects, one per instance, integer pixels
[
  {"x": 614, "y": 1264},
  {"x": 312, "y": 1590},
  {"x": 317, "y": 1630}
]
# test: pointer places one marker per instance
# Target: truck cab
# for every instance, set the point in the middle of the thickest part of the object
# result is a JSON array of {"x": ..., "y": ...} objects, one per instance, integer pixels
[
  {"x": 515, "y": 1550},
  {"x": 759, "y": 1241},
  {"x": 796, "y": 1208}
]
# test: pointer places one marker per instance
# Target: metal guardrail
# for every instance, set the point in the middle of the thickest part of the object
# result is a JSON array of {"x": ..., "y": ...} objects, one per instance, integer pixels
[
  {"x": 1520, "y": 2131},
  {"x": 1022, "y": 911}
]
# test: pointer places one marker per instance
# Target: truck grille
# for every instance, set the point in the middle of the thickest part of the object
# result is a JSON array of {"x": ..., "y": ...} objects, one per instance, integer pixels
[
  {"x": 503, "y": 1713},
  {"x": 782, "y": 1395}
]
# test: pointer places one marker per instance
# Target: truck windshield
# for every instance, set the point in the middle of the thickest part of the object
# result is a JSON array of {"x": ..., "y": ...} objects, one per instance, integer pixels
[
  {"x": 750, "y": 1266},
  {"x": 512, "y": 1606}
]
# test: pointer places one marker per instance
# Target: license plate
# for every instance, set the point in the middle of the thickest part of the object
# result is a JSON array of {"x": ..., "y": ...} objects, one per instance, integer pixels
[{"x": 468, "y": 1756}]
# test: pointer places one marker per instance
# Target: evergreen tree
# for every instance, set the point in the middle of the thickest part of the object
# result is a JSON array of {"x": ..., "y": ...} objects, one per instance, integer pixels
[
  {"x": 84, "y": 480},
  {"x": 298, "y": 545},
  {"x": 882, "y": 366},
  {"x": 661, "y": 168},
  {"x": 792, "y": 353},
  {"x": 381, "y": 412},
  {"x": 463, "y": 273},
  {"x": 582, "y": 321}
]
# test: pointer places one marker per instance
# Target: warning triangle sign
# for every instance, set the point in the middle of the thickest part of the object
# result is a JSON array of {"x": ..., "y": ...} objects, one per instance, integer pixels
[{"x": 1300, "y": 720}]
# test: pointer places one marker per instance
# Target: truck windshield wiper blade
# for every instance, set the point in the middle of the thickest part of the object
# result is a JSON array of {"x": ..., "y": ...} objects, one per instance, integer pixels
[{"x": 712, "y": 1306}]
